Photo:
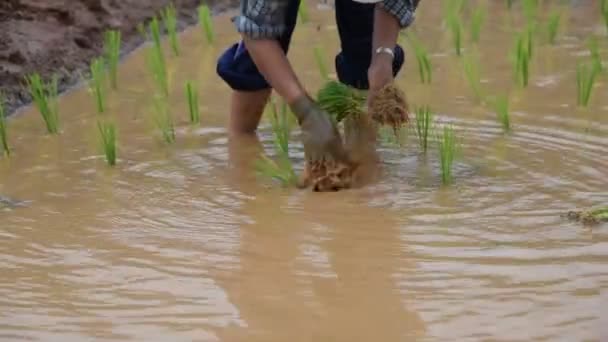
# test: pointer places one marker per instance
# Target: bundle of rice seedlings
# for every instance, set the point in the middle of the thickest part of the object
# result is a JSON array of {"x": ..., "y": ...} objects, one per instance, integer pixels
[
  {"x": 45, "y": 98},
  {"x": 340, "y": 100},
  {"x": 585, "y": 79},
  {"x": 447, "y": 151},
  {"x": 107, "y": 133},
  {"x": 424, "y": 126}
]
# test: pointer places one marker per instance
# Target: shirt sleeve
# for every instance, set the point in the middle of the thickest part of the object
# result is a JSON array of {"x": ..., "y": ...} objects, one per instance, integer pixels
[
  {"x": 262, "y": 19},
  {"x": 404, "y": 10}
]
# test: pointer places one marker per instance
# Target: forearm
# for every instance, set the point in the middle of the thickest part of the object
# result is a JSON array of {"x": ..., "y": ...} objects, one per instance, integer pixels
[
  {"x": 273, "y": 64},
  {"x": 386, "y": 31}
]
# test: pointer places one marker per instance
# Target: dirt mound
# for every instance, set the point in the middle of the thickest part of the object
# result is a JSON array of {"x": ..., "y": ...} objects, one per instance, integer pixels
[{"x": 62, "y": 36}]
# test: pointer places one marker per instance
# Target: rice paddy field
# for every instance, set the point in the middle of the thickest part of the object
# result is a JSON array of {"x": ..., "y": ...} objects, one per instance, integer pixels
[{"x": 128, "y": 214}]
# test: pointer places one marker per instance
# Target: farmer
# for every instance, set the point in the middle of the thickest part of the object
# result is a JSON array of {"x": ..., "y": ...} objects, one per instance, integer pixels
[{"x": 370, "y": 58}]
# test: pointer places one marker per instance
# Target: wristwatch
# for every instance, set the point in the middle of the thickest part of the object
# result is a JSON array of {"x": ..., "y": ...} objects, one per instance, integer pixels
[{"x": 385, "y": 50}]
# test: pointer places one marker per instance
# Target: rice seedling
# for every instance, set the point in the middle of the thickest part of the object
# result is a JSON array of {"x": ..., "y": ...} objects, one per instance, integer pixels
[
  {"x": 192, "y": 96},
  {"x": 204, "y": 18},
  {"x": 163, "y": 120},
  {"x": 112, "y": 43},
  {"x": 447, "y": 153},
  {"x": 155, "y": 32},
  {"x": 3, "y": 131},
  {"x": 340, "y": 100},
  {"x": 553, "y": 26},
  {"x": 107, "y": 133},
  {"x": 45, "y": 99},
  {"x": 303, "y": 12},
  {"x": 595, "y": 54},
  {"x": 585, "y": 78},
  {"x": 521, "y": 57},
  {"x": 530, "y": 8},
  {"x": 320, "y": 59},
  {"x": 424, "y": 125},
  {"x": 471, "y": 71},
  {"x": 156, "y": 66},
  {"x": 169, "y": 16},
  {"x": 477, "y": 20},
  {"x": 97, "y": 85},
  {"x": 455, "y": 25},
  {"x": 424, "y": 62},
  {"x": 501, "y": 106}
]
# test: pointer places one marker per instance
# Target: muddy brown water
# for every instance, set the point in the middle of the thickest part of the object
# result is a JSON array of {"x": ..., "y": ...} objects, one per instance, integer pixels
[{"x": 182, "y": 243}]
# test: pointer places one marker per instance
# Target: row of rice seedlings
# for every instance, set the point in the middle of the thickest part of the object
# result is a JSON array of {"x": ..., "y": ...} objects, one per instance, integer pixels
[
  {"x": 44, "y": 96},
  {"x": 340, "y": 100},
  {"x": 3, "y": 131},
  {"x": 447, "y": 153},
  {"x": 422, "y": 56},
  {"x": 321, "y": 65},
  {"x": 553, "y": 26},
  {"x": 522, "y": 57},
  {"x": 107, "y": 133},
  {"x": 585, "y": 78},
  {"x": 303, "y": 12},
  {"x": 192, "y": 97},
  {"x": 477, "y": 20},
  {"x": 204, "y": 18},
  {"x": 424, "y": 126},
  {"x": 501, "y": 105},
  {"x": 471, "y": 70},
  {"x": 163, "y": 119},
  {"x": 280, "y": 168},
  {"x": 112, "y": 42},
  {"x": 97, "y": 83},
  {"x": 169, "y": 16},
  {"x": 595, "y": 53}
]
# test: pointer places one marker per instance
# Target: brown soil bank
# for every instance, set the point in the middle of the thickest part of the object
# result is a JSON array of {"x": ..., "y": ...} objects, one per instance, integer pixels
[{"x": 62, "y": 36}]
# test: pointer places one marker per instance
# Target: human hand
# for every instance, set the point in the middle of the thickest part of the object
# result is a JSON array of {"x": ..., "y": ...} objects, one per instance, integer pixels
[{"x": 379, "y": 74}]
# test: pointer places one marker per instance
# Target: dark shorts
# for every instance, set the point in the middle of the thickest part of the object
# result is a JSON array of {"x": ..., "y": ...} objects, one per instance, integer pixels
[{"x": 355, "y": 26}]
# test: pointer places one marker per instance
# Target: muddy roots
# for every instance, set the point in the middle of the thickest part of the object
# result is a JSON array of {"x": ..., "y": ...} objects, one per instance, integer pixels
[
  {"x": 390, "y": 107},
  {"x": 327, "y": 175}
]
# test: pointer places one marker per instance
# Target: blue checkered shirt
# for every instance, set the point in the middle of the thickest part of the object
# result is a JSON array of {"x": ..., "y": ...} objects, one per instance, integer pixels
[{"x": 266, "y": 18}]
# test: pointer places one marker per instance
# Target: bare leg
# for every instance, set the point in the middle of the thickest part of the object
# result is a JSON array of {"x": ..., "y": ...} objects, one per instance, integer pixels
[{"x": 246, "y": 111}]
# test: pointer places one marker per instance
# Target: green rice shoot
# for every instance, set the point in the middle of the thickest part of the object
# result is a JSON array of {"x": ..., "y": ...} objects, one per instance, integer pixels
[
  {"x": 521, "y": 56},
  {"x": 112, "y": 43},
  {"x": 3, "y": 130},
  {"x": 424, "y": 126},
  {"x": 169, "y": 16},
  {"x": 97, "y": 83},
  {"x": 45, "y": 99},
  {"x": 455, "y": 26},
  {"x": 321, "y": 64},
  {"x": 163, "y": 120},
  {"x": 107, "y": 133},
  {"x": 471, "y": 71},
  {"x": 206, "y": 23},
  {"x": 158, "y": 70},
  {"x": 553, "y": 26},
  {"x": 595, "y": 53},
  {"x": 422, "y": 56},
  {"x": 303, "y": 12},
  {"x": 477, "y": 20},
  {"x": 193, "y": 108},
  {"x": 502, "y": 112},
  {"x": 585, "y": 78},
  {"x": 447, "y": 153},
  {"x": 340, "y": 100}
]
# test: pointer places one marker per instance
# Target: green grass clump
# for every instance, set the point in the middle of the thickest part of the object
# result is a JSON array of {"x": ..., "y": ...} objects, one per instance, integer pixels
[
  {"x": 112, "y": 43},
  {"x": 3, "y": 131},
  {"x": 303, "y": 12},
  {"x": 204, "y": 18},
  {"x": 447, "y": 153},
  {"x": 424, "y": 126},
  {"x": 107, "y": 133},
  {"x": 422, "y": 56},
  {"x": 522, "y": 57},
  {"x": 553, "y": 26},
  {"x": 477, "y": 20},
  {"x": 280, "y": 168},
  {"x": 595, "y": 54},
  {"x": 470, "y": 65},
  {"x": 585, "y": 78},
  {"x": 192, "y": 96},
  {"x": 163, "y": 120},
  {"x": 340, "y": 100},
  {"x": 169, "y": 15},
  {"x": 97, "y": 83},
  {"x": 502, "y": 111},
  {"x": 321, "y": 65},
  {"x": 45, "y": 98}
]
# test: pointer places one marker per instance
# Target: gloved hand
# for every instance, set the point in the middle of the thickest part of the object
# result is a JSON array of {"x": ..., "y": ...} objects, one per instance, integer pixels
[{"x": 319, "y": 133}]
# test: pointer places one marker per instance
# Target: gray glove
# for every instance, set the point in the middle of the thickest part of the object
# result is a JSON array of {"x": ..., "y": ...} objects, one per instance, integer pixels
[{"x": 319, "y": 133}]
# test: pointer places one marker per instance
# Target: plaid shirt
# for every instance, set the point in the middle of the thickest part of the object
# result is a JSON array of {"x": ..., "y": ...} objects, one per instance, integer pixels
[{"x": 266, "y": 18}]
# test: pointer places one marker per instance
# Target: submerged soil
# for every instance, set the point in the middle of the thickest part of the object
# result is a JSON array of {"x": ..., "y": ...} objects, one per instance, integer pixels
[{"x": 62, "y": 36}]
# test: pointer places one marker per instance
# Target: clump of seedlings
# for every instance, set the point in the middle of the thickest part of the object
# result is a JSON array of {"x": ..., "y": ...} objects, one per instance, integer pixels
[
  {"x": 340, "y": 100},
  {"x": 424, "y": 126},
  {"x": 44, "y": 96},
  {"x": 204, "y": 18},
  {"x": 585, "y": 78},
  {"x": 107, "y": 133},
  {"x": 97, "y": 84},
  {"x": 477, "y": 20},
  {"x": 390, "y": 107},
  {"x": 192, "y": 97},
  {"x": 422, "y": 56},
  {"x": 471, "y": 71},
  {"x": 163, "y": 119},
  {"x": 522, "y": 56},
  {"x": 156, "y": 60},
  {"x": 553, "y": 26},
  {"x": 3, "y": 131},
  {"x": 590, "y": 216},
  {"x": 501, "y": 105},
  {"x": 448, "y": 149},
  {"x": 112, "y": 43},
  {"x": 169, "y": 16},
  {"x": 321, "y": 65}
]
